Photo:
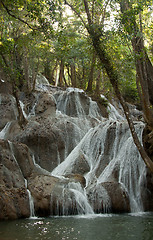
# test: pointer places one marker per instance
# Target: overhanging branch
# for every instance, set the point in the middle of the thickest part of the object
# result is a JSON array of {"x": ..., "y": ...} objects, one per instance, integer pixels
[{"x": 16, "y": 17}]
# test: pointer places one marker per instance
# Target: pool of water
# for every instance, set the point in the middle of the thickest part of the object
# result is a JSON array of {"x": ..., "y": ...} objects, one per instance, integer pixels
[{"x": 91, "y": 227}]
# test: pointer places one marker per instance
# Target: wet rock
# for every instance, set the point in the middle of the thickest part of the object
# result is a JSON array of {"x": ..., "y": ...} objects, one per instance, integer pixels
[
  {"x": 147, "y": 191},
  {"x": 109, "y": 197},
  {"x": 8, "y": 109},
  {"x": 53, "y": 196},
  {"x": 24, "y": 159},
  {"x": 45, "y": 105},
  {"x": 14, "y": 201},
  {"x": 80, "y": 165},
  {"x": 45, "y": 141},
  {"x": 41, "y": 187},
  {"x": 77, "y": 178}
]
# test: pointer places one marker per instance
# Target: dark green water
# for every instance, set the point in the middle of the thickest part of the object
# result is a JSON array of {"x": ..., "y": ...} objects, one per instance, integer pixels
[{"x": 96, "y": 227}]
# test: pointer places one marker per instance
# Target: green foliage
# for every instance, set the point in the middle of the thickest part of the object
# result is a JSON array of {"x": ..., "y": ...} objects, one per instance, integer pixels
[
  {"x": 130, "y": 93},
  {"x": 41, "y": 34}
]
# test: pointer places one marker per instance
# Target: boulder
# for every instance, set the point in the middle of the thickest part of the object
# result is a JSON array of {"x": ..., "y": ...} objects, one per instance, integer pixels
[
  {"x": 5, "y": 87},
  {"x": 51, "y": 140},
  {"x": 53, "y": 196},
  {"x": 109, "y": 197},
  {"x": 45, "y": 105},
  {"x": 41, "y": 187},
  {"x": 45, "y": 141}
]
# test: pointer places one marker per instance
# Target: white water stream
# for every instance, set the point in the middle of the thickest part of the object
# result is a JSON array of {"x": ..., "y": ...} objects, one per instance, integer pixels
[
  {"x": 104, "y": 146},
  {"x": 4, "y": 131},
  {"x": 107, "y": 148},
  {"x": 31, "y": 202}
]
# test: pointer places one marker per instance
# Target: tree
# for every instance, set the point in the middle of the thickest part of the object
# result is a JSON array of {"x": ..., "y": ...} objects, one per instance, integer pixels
[
  {"x": 97, "y": 36},
  {"x": 20, "y": 45},
  {"x": 130, "y": 12}
]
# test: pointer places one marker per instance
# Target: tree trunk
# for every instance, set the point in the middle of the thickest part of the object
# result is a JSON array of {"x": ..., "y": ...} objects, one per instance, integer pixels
[
  {"x": 97, "y": 90},
  {"x": 26, "y": 69},
  {"x": 91, "y": 74},
  {"x": 47, "y": 69},
  {"x": 95, "y": 35},
  {"x": 21, "y": 118},
  {"x": 82, "y": 80},
  {"x": 113, "y": 76},
  {"x": 144, "y": 67},
  {"x": 73, "y": 74},
  {"x": 61, "y": 74}
]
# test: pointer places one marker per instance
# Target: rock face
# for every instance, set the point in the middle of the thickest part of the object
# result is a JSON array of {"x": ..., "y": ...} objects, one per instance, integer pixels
[
  {"x": 53, "y": 196},
  {"x": 41, "y": 187},
  {"x": 109, "y": 197},
  {"x": 8, "y": 109},
  {"x": 147, "y": 192},
  {"x": 73, "y": 160},
  {"x": 14, "y": 201}
]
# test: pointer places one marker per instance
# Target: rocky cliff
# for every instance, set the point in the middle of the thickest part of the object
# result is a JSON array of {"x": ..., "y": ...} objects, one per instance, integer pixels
[{"x": 69, "y": 158}]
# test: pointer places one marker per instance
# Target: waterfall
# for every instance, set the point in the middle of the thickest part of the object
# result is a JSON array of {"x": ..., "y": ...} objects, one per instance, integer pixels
[
  {"x": 73, "y": 102},
  {"x": 130, "y": 165},
  {"x": 22, "y": 107},
  {"x": 4, "y": 131},
  {"x": 113, "y": 112},
  {"x": 107, "y": 148},
  {"x": 32, "y": 112},
  {"x": 100, "y": 150},
  {"x": 83, "y": 206},
  {"x": 73, "y": 200},
  {"x": 31, "y": 202}
]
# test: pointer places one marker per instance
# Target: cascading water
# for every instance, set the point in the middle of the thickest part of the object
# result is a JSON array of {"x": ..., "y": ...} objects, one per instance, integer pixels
[
  {"x": 131, "y": 168},
  {"x": 4, "y": 131},
  {"x": 72, "y": 200},
  {"x": 101, "y": 150},
  {"x": 31, "y": 202},
  {"x": 108, "y": 148},
  {"x": 83, "y": 205}
]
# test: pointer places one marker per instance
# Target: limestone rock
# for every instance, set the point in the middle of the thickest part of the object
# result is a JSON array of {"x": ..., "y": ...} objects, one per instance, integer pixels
[
  {"x": 14, "y": 201},
  {"x": 45, "y": 105},
  {"x": 41, "y": 187},
  {"x": 53, "y": 196},
  {"x": 8, "y": 109},
  {"x": 109, "y": 197},
  {"x": 77, "y": 178}
]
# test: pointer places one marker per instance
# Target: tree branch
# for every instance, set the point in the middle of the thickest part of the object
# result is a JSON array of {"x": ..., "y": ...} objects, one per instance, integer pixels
[
  {"x": 88, "y": 12},
  {"x": 16, "y": 17}
]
